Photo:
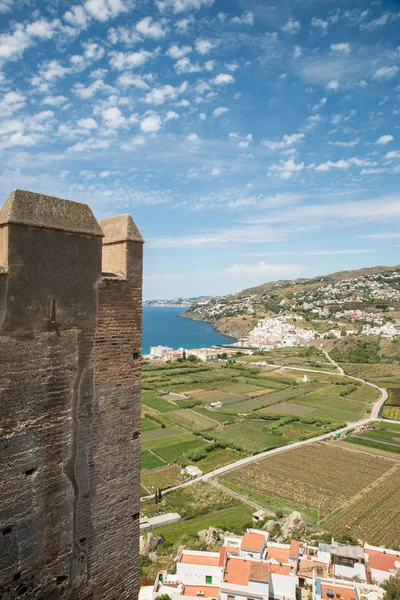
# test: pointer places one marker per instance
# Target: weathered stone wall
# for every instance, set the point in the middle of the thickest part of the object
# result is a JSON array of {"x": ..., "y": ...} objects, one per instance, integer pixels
[{"x": 69, "y": 405}]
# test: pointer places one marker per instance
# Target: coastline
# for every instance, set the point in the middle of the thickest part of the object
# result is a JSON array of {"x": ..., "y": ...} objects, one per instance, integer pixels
[{"x": 212, "y": 325}]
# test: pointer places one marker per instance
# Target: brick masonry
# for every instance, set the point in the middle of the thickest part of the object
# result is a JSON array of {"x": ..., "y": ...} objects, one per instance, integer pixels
[{"x": 70, "y": 340}]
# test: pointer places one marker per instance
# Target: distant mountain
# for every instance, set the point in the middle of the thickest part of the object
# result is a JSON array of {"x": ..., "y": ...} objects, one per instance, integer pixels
[
  {"x": 184, "y": 302},
  {"x": 370, "y": 289}
]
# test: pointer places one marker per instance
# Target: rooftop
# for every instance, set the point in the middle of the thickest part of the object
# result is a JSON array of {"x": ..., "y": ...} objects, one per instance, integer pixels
[
  {"x": 237, "y": 571},
  {"x": 347, "y": 551},
  {"x": 279, "y": 554},
  {"x": 339, "y": 593},
  {"x": 383, "y": 561},
  {"x": 253, "y": 542},
  {"x": 205, "y": 591},
  {"x": 198, "y": 559}
]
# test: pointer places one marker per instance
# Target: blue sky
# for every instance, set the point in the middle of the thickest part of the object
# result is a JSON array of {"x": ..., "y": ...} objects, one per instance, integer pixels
[{"x": 251, "y": 140}]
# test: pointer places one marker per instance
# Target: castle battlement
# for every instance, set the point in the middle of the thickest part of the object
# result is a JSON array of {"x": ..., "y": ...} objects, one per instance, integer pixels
[{"x": 70, "y": 340}]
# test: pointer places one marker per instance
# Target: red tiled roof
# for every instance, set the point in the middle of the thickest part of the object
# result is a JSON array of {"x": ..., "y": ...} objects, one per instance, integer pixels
[
  {"x": 340, "y": 592},
  {"x": 198, "y": 559},
  {"x": 279, "y": 569},
  {"x": 383, "y": 561},
  {"x": 294, "y": 548},
  {"x": 259, "y": 571},
  {"x": 222, "y": 557},
  {"x": 206, "y": 591},
  {"x": 279, "y": 554},
  {"x": 237, "y": 571},
  {"x": 253, "y": 542}
]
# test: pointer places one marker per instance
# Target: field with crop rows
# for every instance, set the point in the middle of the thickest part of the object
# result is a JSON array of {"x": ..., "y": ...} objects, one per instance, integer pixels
[
  {"x": 313, "y": 478},
  {"x": 161, "y": 477},
  {"x": 374, "y": 516},
  {"x": 175, "y": 397}
]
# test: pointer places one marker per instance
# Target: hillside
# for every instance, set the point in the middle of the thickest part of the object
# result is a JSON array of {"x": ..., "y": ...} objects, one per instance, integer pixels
[{"x": 373, "y": 290}]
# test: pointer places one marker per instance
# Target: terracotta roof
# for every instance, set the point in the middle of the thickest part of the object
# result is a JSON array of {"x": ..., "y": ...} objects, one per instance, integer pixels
[
  {"x": 340, "y": 592},
  {"x": 222, "y": 557},
  {"x": 207, "y": 591},
  {"x": 279, "y": 569},
  {"x": 237, "y": 571},
  {"x": 294, "y": 548},
  {"x": 279, "y": 554},
  {"x": 253, "y": 542},
  {"x": 198, "y": 559},
  {"x": 383, "y": 561},
  {"x": 233, "y": 550},
  {"x": 259, "y": 571}
]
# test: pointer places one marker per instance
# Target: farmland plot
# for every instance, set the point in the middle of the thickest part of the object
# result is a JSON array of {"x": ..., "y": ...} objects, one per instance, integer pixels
[
  {"x": 374, "y": 516},
  {"x": 314, "y": 477},
  {"x": 192, "y": 420},
  {"x": 161, "y": 477}
]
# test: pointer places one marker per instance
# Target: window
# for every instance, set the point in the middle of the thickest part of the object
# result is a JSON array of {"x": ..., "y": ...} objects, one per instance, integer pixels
[
  {"x": 209, "y": 579},
  {"x": 231, "y": 597}
]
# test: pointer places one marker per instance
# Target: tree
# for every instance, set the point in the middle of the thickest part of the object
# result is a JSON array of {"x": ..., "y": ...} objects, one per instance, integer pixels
[
  {"x": 163, "y": 597},
  {"x": 392, "y": 588}
]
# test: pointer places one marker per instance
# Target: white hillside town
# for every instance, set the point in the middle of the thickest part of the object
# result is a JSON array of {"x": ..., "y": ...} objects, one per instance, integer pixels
[{"x": 254, "y": 568}]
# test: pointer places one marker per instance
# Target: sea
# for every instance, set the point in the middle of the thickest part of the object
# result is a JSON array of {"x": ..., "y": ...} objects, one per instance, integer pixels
[{"x": 165, "y": 327}]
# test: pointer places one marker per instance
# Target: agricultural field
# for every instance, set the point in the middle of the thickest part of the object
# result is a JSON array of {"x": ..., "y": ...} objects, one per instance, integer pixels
[
  {"x": 160, "y": 477},
  {"x": 313, "y": 479},
  {"x": 381, "y": 436},
  {"x": 309, "y": 357},
  {"x": 260, "y": 409},
  {"x": 391, "y": 409},
  {"x": 373, "y": 515}
]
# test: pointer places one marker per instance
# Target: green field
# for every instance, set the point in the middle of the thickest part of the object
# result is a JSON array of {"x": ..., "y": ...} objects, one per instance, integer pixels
[
  {"x": 148, "y": 424},
  {"x": 148, "y": 460},
  {"x": 161, "y": 477},
  {"x": 171, "y": 453},
  {"x": 245, "y": 392}
]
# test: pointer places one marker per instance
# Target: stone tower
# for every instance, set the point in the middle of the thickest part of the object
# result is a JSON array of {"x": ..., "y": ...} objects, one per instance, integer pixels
[{"x": 70, "y": 339}]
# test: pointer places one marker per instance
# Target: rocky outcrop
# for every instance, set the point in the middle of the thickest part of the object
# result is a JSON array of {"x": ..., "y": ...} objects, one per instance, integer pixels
[
  {"x": 148, "y": 543},
  {"x": 211, "y": 536},
  {"x": 294, "y": 523}
]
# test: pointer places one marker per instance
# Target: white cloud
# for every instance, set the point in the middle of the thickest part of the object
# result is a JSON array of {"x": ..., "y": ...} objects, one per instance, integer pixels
[
  {"x": 384, "y": 73},
  {"x": 11, "y": 103},
  {"x": 223, "y": 79},
  {"x": 349, "y": 144},
  {"x": 297, "y": 51},
  {"x": 88, "y": 123},
  {"x": 184, "y": 65},
  {"x": 6, "y": 5},
  {"x": 129, "y": 60},
  {"x": 193, "y": 137},
  {"x": 385, "y": 139},
  {"x": 175, "y": 51},
  {"x": 161, "y": 94},
  {"x": 54, "y": 100},
  {"x": 287, "y": 140},
  {"x": 342, "y": 48},
  {"x": 151, "y": 123},
  {"x": 113, "y": 117},
  {"x": 216, "y": 171},
  {"x": 372, "y": 25},
  {"x": 246, "y": 19},
  {"x": 393, "y": 154},
  {"x": 326, "y": 166},
  {"x": 149, "y": 28},
  {"x": 126, "y": 80},
  {"x": 92, "y": 89},
  {"x": 171, "y": 115},
  {"x": 221, "y": 110},
  {"x": 286, "y": 168},
  {"x": 179, "y": 6},
  {"x": 102, "y": 10},
  {"x": 203, "y": 46},
  {"x": 291, "y": 27},
  {"x": 232, "y": 67},
  {"x": 265, "y": 269},
  {"x": 332, "y": 85},
  {"x": 320, "y": 23},
  {"x": 12, "y": 45},
  {"x": 77, "y": 17},
  {"x": 379, "y": 236}
]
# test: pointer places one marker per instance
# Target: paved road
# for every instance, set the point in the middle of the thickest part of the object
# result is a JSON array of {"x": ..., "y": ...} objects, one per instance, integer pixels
[{"x": 250, "y": 459}]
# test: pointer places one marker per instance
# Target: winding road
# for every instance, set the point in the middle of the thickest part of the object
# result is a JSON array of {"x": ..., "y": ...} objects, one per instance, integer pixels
[{"x": 377, "y": 407}]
